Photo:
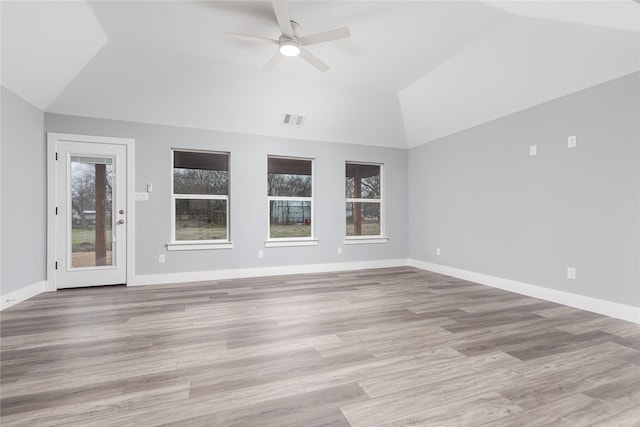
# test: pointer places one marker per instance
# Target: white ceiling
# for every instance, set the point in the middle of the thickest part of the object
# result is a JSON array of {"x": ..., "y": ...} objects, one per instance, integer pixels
[
  {"x": 411, "y": 72},
  {"x": 616, "y": 14},
  {"x": 45, "y": 46},
  {"x": 508, "y": 71}
]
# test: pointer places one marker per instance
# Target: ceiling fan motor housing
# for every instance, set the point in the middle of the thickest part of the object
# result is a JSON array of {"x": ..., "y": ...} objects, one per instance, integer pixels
[
  {"x": 296, "y": 29},
  {"x": 290, "y": 42},
  {"x": 289, "y": 47}
]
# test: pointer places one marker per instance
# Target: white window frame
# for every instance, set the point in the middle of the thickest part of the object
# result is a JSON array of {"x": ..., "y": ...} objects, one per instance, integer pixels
[
  {"x": 360, "y": 240},
  {"x": 188, "y": 245},
  {"x": 292, "y": 241}
]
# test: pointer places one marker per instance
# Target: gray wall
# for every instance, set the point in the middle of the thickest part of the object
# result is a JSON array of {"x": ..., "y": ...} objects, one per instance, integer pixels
[
  {"x": 23, "y": 194},
  {"x": 248, "y": 195},
  {"x": 493, "y": 209},
  {"x": 477, "y": 195}
]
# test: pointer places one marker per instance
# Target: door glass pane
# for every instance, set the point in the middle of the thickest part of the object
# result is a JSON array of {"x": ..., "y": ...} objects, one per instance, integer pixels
[{"x": 91, "y": 211}]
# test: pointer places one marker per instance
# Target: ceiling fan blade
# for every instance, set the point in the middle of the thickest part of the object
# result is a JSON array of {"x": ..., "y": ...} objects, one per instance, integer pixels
[
  {"x": 327, "y": 36},
  {"x": 250, "y": 38},
  {"x": 273, "y": 62},
  {"x": 313, "y": 60},
  {"x": 284, "y": 20}
]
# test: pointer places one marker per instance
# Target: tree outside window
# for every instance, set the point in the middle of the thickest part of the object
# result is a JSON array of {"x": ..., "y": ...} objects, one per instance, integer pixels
[
  {"x": 200, "y": 196},
  {"x": 363, "y": 199},
  {"x": 290, "y": 195}
]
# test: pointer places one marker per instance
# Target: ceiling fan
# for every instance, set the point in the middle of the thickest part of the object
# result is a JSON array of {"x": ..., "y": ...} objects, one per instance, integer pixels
[{"x": 291, "y": 43}]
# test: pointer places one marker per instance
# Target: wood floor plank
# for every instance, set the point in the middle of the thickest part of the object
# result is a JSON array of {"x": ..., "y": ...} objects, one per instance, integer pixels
[
  {"x": 426, "y": 395},
  {"x": 628, "y": 418},
  {"x": 548, "y": 388},
  {"x": 554, "y": 413},
  {"x": 393, "y": 346},
  {"x": 412, "y": 376},
  {"x": 549, "y": 365},
  {"x": 313, "y": 408},
  {"x": 474, "y": 410}
]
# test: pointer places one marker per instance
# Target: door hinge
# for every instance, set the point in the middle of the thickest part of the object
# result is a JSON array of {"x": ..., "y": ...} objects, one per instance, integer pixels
[
  {"x": 56, "y": 265},
  {"x": 56, "y": 156},
  {"x": 56, "y": 210}
]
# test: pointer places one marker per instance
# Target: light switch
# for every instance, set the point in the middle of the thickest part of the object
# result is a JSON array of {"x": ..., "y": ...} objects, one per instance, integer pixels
[
  {"x": 533, "y": 150},
  {"x": 572, "y": 141},
  {"x": 149, "y": 188}
]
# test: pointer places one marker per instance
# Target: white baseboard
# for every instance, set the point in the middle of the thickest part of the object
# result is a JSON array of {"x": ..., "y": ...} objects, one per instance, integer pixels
[
  {"x": 607, "y": 308},
  {"x": 12, "y": 298},
  {"x": 199, "y": 276}
]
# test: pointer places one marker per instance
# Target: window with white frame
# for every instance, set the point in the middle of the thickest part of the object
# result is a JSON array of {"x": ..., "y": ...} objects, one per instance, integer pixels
[
  {"x": 290, "y": 196},
  {"x": 363, "y": 184},
  {"x": 200, "y": 204}
]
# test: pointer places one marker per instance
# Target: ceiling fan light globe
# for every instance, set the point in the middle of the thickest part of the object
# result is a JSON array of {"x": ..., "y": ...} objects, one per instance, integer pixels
[{"x": 289, "y": 48}]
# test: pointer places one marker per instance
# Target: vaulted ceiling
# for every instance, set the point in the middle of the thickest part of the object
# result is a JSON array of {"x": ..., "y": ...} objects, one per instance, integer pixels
[{"x": 410, "y": 73}]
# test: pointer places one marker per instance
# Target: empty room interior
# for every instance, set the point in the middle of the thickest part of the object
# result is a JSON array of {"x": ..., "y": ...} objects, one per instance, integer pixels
[{"x": 320, "y": 213}]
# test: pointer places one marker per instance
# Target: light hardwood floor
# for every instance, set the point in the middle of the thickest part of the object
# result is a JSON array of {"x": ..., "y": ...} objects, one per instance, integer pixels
[{"x": 396, "y": 346}]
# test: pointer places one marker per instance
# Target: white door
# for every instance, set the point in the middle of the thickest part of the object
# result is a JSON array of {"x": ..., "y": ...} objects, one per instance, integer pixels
[{"x": 91, "y": 213}]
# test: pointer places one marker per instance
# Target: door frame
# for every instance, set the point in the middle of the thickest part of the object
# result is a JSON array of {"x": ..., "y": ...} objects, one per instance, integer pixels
[{"x": 52, "y": 170}]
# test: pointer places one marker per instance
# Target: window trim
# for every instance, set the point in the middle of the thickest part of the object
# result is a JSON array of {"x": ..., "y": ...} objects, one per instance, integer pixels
[
  {"x": 368, "y": 239},
  {"x": 292, "y": 241},
  {"x": 364, "y": 240},
  {"x": 198, "y": 246},
  {"x": 186, "y": 245}
]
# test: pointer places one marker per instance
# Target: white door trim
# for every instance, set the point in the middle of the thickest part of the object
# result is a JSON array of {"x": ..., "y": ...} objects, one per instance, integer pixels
[{"x": 52, "y": 144}]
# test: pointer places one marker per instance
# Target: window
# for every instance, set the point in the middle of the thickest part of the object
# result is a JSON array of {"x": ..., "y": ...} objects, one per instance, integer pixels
[
  {"x": 290, "y": 195},
  {"x": 200, "y": 204},
  {"x": 364, "y": 210}
]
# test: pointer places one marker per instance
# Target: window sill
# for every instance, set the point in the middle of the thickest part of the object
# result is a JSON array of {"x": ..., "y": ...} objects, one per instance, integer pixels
[
  {"x": 198, "y": 246},
  {"x": 290, "y": 243},
  {"x": 362, "y": 240}
]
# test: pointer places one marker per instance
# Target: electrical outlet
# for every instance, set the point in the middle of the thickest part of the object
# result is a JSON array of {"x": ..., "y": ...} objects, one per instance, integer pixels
[
  {"x": 260, "y": 254},
  {"x": 572, "y": 141},
  {"x": 161, "y": 259},
  {"x": 339, "y": 251},
  {"x": 571, "y": 273},
  {"x": 437, "y": 251},
  {"x": 533, "y": 150}
]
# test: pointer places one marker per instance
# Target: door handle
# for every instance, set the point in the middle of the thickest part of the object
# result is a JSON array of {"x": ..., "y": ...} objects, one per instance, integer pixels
[{"x": 121, "y": 221}]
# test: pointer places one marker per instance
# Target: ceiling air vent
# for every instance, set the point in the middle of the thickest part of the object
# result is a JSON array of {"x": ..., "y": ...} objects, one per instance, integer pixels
[{"x": 293, "y": 120}]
